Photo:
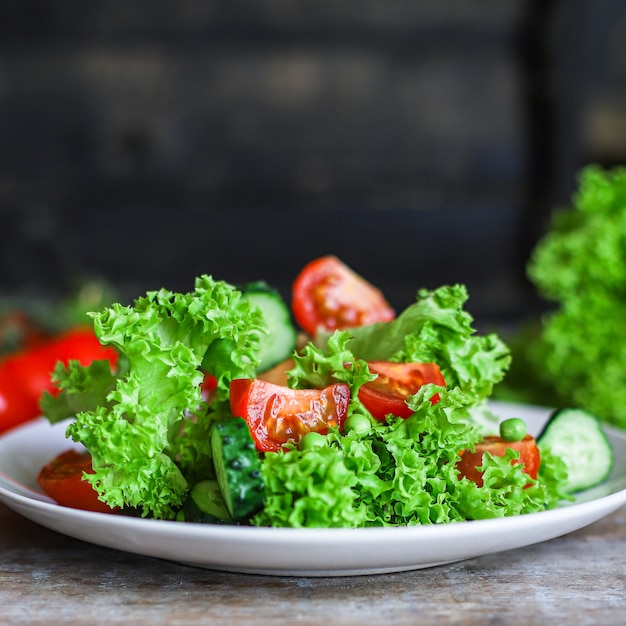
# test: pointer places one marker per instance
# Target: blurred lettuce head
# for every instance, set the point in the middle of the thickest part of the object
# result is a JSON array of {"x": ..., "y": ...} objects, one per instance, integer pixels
[{"x": 580, "y": 266}]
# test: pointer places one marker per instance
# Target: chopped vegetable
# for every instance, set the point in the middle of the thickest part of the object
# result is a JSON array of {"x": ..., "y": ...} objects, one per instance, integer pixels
[
  {"x": 62, "y": 479},
  {"x": 576, "y": 436},
  {"x": 238, "y": 468},
  {"x": 526, "y": 453},
  {"x": 279, "y": 340},
  {"x": 145, "y": 450},
  {"x": 186, "y": 428},
  {"x": 399, "y": 473},
  {"x": 394, "y": 383},
  {"x": 437, "y": 329},
  {"x": 81, "y": 388},
  {"x": 328, "y": 295},
  {"x": 276, "y": 415},
  {"x": 205, "y": 505}
]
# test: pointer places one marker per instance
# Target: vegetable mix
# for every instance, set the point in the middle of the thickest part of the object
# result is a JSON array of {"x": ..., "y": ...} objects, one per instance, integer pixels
[{"x": 308, "y": 452}]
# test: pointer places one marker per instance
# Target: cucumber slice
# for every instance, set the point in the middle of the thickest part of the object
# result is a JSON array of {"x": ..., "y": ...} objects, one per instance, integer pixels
[
  {"x": 238, "y": 468},
  {"x": 577, "y": 437},
  {"x": 205, "y": 504},
  {"x": 280, "y": 343}
]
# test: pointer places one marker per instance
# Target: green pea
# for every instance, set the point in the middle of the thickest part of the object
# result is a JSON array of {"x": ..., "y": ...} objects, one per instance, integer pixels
[
  {"x": 513, "y": 429},
  {"x": 312, "y": 440},
  {"x": 358, "y": 423}
]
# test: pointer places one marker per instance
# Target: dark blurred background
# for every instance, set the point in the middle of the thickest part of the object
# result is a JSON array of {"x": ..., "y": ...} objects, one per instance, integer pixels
[{"x": 422, "y": 142}]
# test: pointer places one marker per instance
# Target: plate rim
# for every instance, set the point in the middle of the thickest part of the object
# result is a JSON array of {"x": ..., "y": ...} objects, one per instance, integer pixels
[{"x": 560, "y": 520}]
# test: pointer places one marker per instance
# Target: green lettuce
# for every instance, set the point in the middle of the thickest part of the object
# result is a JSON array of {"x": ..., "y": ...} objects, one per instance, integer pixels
[
  {"x": 147, "y": 426},
  {"x": 84, "y": 387},
  {"x": 437, "y": 329},
  {"x": 403, "y": 472},
  {"x": 312, "y": 488},
  {"x": 317, "y": 368},
  {"x": 140, "y": 438},
  {"x": 574, "y": 355},
  {"x": 399, "y": 473}
]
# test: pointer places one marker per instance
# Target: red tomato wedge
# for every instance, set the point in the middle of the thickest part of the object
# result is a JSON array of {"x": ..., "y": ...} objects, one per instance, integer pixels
[
  {"x": 328, "y": 295},
  {"x": 62, "y": 480},
  {"x": 25, "y": 375},
  {"x": 277, "y": 414},
  {"x": 527, "y": 447},
  {"x": 395, "y": 383}
]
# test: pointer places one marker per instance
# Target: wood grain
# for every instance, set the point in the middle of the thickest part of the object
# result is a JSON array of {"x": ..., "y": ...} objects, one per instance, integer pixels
[{"x": 46, "y": 578}]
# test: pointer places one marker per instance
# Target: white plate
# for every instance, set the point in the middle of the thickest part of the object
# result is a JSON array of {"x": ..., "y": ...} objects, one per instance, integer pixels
[{"x": 299, "y": 552}]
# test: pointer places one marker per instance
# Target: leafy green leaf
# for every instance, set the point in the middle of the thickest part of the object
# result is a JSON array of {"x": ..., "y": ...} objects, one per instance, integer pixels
[
  {"x": 317, "y": 368},
  {"x": 577, "y": 352},
  {"x": 400, "y": 473},
  {"x": 84, "y": 389},
  {"x": 138, "y": 436},
  {"x": 309, "y": 488},
  {"x": 437, "y": 329}
]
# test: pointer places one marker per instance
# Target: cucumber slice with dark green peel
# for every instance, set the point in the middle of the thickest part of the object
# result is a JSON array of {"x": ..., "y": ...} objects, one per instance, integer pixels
[
  {"x": 280, "y": 342},
  {"x": 238, "y": 468},
  {"x": 576, "y": 436},
  {"x": 205, "y": 505}
]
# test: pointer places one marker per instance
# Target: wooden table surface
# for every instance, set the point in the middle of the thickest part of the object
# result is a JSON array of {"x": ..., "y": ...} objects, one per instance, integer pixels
[{"x": 47, "y": 578}]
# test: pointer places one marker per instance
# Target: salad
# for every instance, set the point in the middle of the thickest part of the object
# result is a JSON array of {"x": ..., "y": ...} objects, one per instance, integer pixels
[{"x": 225, "y": 405}]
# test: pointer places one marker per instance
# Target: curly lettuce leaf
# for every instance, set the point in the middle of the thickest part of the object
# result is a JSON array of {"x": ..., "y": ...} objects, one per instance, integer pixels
[
  {"x": 84, "y": 389},
  {"x": 138, "y": 437},
  {"x": 317, "y": 368},
  {"x": 437, "y": 329},
  {"x": 575, "y": 355},
  {"x": 399, "y": 473},
  {"x": 584, "y": 253},
  {"x": 311, "y": 488}
]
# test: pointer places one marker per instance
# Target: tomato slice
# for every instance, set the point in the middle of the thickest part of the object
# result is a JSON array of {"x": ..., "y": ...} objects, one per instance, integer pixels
[
  {"x": 527, "y": 447},
  {"x": 328, "y": 295},
  {"x": 62, "y": 480},
  {"x": 277, "y": 414},
  {"x": 395, "y": 383}
]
